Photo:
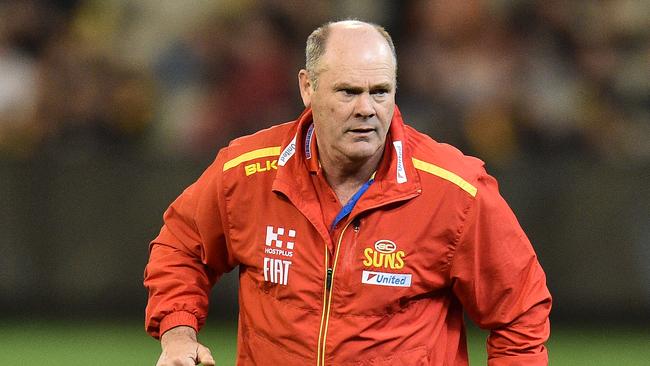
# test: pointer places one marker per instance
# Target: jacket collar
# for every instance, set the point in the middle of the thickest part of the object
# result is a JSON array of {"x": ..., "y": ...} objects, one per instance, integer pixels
[{"x": 396, "y": 178}]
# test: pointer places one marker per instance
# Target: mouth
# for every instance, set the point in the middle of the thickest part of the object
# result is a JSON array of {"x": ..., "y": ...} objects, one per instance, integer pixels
[{"x": 361, "y": 130}]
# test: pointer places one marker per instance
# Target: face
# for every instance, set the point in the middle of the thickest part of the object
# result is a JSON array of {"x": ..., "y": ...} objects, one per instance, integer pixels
[{"x": 354, "y": 100}]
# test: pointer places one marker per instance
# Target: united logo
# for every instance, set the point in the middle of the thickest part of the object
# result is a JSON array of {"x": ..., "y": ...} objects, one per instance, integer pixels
[{"x": 386, "y": 279}]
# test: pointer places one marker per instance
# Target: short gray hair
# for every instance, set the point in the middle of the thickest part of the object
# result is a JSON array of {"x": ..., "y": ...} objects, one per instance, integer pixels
[{"x": 317, "y": 40}]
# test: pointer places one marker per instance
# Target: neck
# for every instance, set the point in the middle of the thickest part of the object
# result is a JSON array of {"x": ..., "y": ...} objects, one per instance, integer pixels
[{"x": 346, "y": 177}]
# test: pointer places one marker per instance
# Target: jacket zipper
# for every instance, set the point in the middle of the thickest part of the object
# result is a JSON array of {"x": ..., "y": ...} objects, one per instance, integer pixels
[
  {"x": 329, "y": 280},
  {"x": 327, "y": 298}
]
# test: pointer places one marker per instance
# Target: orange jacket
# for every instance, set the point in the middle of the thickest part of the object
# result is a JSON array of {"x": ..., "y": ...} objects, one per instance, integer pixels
[{"x": 430, "y": 237}]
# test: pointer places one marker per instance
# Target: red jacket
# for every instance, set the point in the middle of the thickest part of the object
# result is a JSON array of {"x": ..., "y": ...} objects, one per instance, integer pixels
[{"x": 387, "y": 285}]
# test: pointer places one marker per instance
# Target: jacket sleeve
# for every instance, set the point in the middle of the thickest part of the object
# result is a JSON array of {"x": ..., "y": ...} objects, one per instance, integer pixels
[
  {"x": 499, "y": 281},
  {"x": 188, "y": 256}
]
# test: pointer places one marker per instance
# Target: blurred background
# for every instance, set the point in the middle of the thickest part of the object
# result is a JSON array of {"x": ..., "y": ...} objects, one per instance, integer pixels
[{"x": 109, "y": 108}]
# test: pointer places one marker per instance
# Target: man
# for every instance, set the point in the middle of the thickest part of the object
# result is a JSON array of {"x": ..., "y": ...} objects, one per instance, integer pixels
[{"x": 358, "y": 240}]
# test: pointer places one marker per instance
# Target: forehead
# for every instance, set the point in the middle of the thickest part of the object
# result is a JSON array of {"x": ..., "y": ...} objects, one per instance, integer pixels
[
  {"x": 358, "y": 76},
  {"x": 358, "y": 51}
]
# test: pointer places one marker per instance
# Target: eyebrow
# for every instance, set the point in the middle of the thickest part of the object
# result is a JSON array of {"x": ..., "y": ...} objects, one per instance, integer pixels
[{"x": 346, "y": 86}]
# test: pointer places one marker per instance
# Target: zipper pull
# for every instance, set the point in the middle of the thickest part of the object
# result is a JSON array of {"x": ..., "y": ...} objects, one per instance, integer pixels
[{"x": 328, "y": 283}]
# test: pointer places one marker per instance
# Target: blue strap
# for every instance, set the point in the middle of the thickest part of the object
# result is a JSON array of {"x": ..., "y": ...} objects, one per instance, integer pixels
[{"x": 351, "y": 203}]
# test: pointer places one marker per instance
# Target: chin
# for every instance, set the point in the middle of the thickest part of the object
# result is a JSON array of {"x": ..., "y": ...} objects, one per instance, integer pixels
[{"x": 362, "y": 153}]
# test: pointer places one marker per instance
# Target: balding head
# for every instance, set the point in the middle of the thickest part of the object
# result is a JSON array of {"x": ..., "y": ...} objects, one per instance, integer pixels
[
  {"x": 346, "y": 35},
  {"x": 353, "y": 105}
]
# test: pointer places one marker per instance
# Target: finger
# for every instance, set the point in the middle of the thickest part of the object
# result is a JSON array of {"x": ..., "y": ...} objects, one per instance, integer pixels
[
  {"x": 204, "y": 356},
  {"x": 177, "y": 361},
  {"x": 161, "y": 360}
]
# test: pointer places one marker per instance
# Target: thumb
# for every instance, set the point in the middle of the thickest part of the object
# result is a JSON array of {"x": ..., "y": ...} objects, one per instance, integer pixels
[{"x": 204, "y": 356}]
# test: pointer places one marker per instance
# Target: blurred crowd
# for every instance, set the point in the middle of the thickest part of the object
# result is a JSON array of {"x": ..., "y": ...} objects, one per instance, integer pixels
[{"x": 506, "y": 80}]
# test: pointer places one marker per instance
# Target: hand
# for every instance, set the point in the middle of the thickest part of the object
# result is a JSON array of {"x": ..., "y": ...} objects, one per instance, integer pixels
[{"x": 180, "y": 348}]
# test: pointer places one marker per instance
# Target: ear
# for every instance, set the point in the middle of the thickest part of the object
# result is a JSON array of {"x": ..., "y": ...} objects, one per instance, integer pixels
[{"x": 306, "y": 87}]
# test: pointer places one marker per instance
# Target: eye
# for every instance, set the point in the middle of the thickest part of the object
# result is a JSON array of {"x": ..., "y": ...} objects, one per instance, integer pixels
[
  {"x": 348, "y": 91},
  {"x": 379, "y": 92}
]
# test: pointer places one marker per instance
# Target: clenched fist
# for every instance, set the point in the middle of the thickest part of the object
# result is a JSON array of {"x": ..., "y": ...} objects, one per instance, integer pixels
[{"x": 181, "y": 348}]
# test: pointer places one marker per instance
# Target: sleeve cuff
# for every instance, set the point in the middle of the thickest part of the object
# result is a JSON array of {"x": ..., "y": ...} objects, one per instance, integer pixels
[
  {"x": 176, "y": 319},
  {"x": 540, "y": 359}
]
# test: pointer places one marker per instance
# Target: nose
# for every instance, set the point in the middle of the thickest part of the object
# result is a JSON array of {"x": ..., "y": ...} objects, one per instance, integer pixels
[{"x": 364, "y": 108}]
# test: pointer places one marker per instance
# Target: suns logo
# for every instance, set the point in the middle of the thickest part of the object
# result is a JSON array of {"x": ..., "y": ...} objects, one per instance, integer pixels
[{"x": 384, "y": 254}]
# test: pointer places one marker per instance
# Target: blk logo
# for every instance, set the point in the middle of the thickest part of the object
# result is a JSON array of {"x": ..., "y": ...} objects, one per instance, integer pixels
[{"x": 251, "y": 169}]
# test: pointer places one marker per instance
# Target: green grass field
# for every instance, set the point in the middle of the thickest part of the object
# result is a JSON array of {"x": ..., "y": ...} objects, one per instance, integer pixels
[{"x": 125, "y": 343}]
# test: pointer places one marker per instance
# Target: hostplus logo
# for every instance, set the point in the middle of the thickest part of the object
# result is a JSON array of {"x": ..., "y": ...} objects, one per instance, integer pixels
[
  {"x": 274, "y": 245},
  {"x": 279, "y": 242}
]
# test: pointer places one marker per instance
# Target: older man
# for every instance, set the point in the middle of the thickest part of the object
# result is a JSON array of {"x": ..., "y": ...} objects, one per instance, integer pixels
[{"x": 358, "y": 240}]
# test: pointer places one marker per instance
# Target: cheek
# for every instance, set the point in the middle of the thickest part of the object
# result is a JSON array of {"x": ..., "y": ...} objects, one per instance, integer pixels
[
  {"x": 327, "y": 109},
  {"x": 387, "y": 115}
]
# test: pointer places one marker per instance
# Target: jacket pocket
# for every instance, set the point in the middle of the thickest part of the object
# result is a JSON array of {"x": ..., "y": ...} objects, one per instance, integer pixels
[
  {"x": 414, "y": 357},
  {"x": 259, "y": 351}
]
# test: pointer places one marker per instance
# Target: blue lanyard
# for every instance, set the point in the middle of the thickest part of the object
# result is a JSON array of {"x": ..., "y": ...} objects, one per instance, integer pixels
[{"x": 351, "y": 203}]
